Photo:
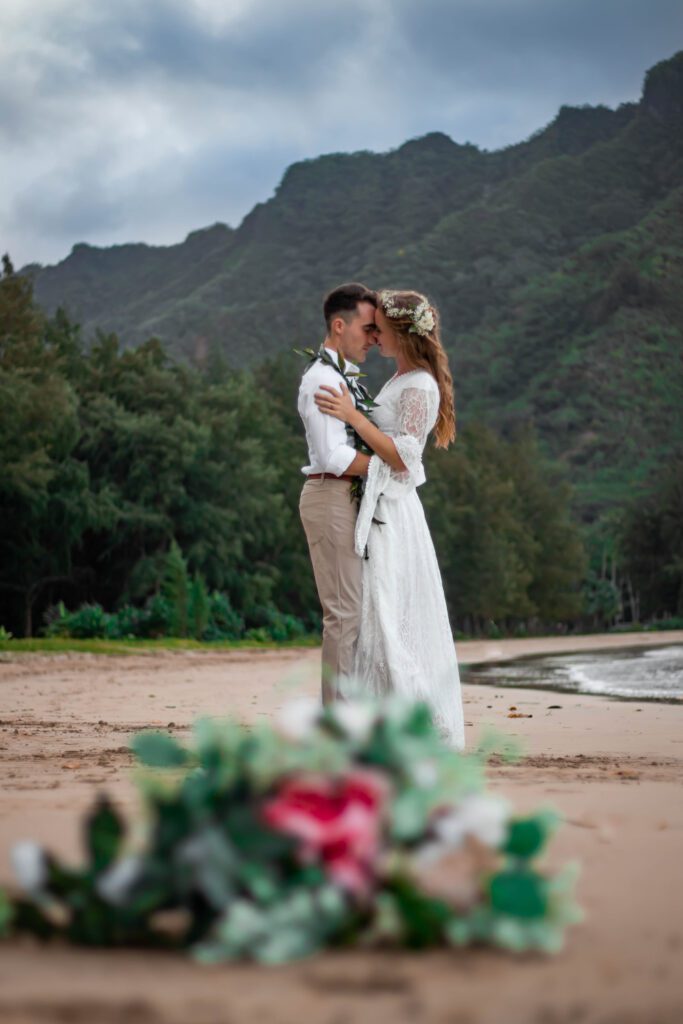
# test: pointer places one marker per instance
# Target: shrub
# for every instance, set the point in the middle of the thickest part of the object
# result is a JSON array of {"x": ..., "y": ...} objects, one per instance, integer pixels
[
  {"x": 158, "y": 616},
  {"x": 55, "y": 620},
  {"x": 124, "y": 623},
  {"x": 211, "y": 615},
  {"x": 664, "y": 624},
  {"x": 259, "y": 634},
  {"x": 285, "y": 627},
  {"x": 199, "y": 607},
  {"x": 175, "y": 589},
  {"x": 277, "y": 625},
  {"x": 149, "y": 622},
  {"x": 87, "y": 622},
  {"x": 224, "y": 622}
]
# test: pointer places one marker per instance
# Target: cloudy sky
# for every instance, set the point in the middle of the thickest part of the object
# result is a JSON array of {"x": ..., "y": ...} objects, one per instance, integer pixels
[{"x": 141, "y": 120}]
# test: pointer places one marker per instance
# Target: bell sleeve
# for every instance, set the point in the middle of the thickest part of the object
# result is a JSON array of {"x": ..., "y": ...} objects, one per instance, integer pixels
[{"x": 415, "y": 420}]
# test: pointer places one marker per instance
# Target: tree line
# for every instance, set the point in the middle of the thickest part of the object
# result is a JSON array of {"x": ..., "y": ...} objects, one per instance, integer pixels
[{"x": 143, "y": 496}]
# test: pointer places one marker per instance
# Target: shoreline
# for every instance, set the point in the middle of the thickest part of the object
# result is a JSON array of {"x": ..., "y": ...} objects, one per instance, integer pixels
[
  {"x": 474, "y": 671},
  {"x": 479, "y": 652},
  {"x": 470, "y": 652}
]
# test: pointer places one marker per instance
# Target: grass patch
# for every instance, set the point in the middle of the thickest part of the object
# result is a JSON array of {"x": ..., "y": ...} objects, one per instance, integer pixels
[{"x": 66, "y": 645}]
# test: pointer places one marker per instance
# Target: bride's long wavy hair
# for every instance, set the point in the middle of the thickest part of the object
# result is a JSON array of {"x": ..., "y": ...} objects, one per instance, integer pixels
[{"x": 423, "y": 350}]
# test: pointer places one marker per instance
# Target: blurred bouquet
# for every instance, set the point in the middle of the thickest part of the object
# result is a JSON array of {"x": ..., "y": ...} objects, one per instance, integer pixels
[{"x": 348, "y": 824}]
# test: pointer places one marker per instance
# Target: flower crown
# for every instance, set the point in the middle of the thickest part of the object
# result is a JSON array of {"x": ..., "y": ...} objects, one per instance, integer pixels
[{"x": 422, "y": 315}]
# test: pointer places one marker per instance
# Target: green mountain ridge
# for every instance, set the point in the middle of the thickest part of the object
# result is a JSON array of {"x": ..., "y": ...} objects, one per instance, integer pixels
[{"x": 556, "y": 264}]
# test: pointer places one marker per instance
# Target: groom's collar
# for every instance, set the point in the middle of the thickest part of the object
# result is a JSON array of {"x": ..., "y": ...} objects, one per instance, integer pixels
[{"x": 335, "y": 356}]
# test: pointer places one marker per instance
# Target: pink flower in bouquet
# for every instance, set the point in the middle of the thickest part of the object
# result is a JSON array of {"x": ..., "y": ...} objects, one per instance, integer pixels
[{"x": 337, "y": 821}]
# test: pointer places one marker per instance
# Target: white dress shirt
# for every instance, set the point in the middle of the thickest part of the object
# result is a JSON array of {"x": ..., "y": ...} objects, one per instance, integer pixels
[{"x": 329, "y": 448}]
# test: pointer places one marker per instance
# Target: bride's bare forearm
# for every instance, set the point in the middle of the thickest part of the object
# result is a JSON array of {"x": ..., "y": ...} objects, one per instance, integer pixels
[
  {"x": 380, "y": 443},
  {"x": 359, "y": 466}
]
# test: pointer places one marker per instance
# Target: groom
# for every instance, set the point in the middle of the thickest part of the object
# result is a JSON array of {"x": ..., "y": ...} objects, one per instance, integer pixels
[{"x": 328, "y": 511}]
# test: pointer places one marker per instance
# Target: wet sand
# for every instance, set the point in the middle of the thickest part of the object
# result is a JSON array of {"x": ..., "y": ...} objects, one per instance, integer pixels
[{"x": 612, "y": 768}]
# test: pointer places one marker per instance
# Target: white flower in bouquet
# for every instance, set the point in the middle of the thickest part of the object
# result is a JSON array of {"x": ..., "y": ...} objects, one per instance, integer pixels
[
  {"x": 30, "y": 866},
  {"x": 356, "y": 718},
  {"x": 115, "y": 883},
  {"x": 477, "y": 816},
  {"x": 297, "y": 719},
  {"x": 480, "y": 816},
  {"x": 425, "y": 773}
]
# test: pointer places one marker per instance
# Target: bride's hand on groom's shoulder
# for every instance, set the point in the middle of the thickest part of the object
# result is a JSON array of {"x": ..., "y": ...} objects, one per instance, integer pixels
[{"x": 335, "y": 403}]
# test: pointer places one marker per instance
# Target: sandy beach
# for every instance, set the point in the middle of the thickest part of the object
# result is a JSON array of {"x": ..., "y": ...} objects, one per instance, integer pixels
[{"x": 612, "y": 768}]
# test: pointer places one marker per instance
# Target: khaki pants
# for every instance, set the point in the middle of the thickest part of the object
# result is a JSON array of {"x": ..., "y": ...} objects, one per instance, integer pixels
[{"x": 329, "y": 519}]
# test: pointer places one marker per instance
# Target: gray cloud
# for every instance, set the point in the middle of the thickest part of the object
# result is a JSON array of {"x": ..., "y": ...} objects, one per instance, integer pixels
[
  {"x": 144, "y": 121},
  {"x": 286, "y": 47}
]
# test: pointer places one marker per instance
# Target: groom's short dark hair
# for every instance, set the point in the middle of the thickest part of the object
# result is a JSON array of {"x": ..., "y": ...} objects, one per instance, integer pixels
[{"x": 345, "y": 299}]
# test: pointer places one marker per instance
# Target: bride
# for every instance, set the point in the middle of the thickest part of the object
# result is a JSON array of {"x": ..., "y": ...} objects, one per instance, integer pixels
[{"x": 405, "y": 645}]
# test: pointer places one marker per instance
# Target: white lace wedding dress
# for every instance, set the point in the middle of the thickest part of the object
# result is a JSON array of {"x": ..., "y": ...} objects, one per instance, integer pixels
[{"x": 405, "y": 645}]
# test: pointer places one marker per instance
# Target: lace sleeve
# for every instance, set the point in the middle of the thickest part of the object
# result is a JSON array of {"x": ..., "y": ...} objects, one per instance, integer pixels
[
  {"x": 415, "y": 420},
  {"x": 416, "y": 417}
]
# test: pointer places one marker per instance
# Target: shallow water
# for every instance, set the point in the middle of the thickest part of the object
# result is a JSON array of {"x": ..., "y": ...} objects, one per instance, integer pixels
[{"x": 637, "y": 674}]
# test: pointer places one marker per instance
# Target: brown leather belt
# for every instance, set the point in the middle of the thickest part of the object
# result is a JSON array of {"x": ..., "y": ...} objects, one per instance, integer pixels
[{"x": 330, "y": 476}]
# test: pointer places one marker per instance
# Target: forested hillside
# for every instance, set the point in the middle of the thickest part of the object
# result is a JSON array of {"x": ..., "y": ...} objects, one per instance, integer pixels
[{"x": 557, "y": 263}]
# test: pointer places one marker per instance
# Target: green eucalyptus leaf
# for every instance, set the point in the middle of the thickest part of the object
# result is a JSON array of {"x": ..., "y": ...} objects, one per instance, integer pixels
[
  {"x": 409, "y": 813},
  {"x": 92, "y": 921},
  {"x": 197, "y": 793},
  {"x": 253, "y": 839},
  {"x": 209, "y": 864},
  {"x": 383, "y": 748},
  {"x": 6, "y": 914},
  {"x": 158, "y": 750},
  {"x": 219, "y": 745},
  {"x": 526, "y": 837},
  {"x": 519, "y": 893},
  {"x": 259, "y": 881},
  {"x": 240, "y": 929},
  {"x": 387, "y": 924},
  {"x": 419, "y": 721},
  {"x": 458, "y": 931},
  {"x": 425, "y": 919},
  {"x": 295, "y": 926},
  {"x": 29, "y": 919},
  {"x": 510, "y": 933},
  {"x": 103, "y": 834},
  {"x": 311, "y": 875},
  {"x": 287, "y": 944},
  {"x": 65, "y": 883},
  {"x": 213, "y": 951},
  {"x": 173, "y": 823}
]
